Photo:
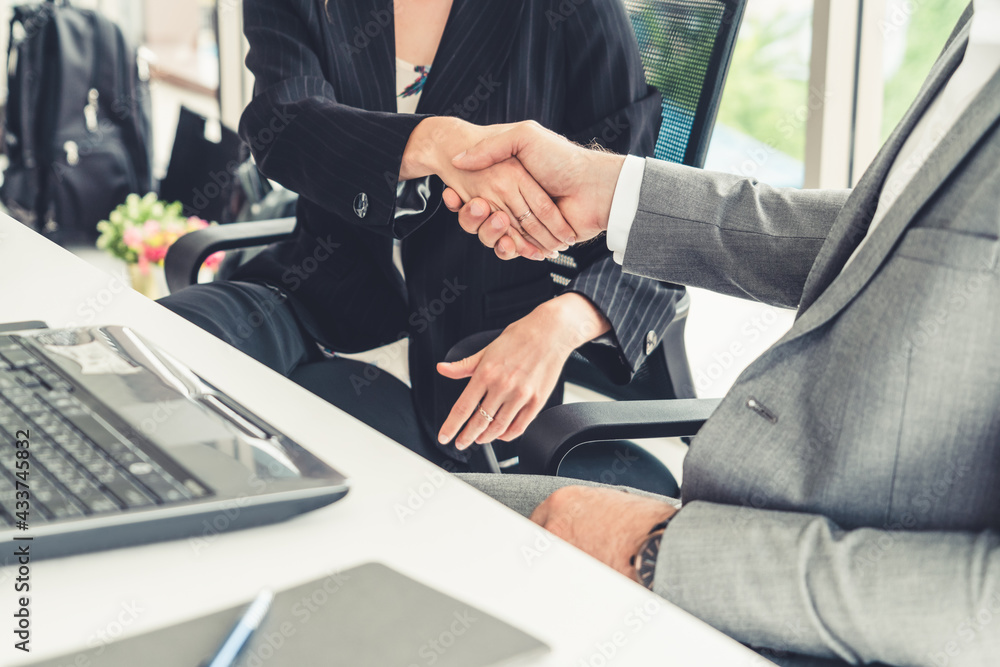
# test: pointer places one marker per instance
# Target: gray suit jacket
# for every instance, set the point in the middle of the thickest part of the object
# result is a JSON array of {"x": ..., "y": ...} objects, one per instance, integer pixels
[{"x": 844, "y": 500}]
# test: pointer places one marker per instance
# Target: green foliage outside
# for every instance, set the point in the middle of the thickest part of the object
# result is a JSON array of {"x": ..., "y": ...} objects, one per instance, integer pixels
[
  {"x": 767, "y": 90},
  {"x": 930, "y": 23}
]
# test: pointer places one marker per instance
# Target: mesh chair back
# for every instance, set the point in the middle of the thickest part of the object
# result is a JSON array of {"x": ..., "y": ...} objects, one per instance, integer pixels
[{"x": 686, "y": 46}]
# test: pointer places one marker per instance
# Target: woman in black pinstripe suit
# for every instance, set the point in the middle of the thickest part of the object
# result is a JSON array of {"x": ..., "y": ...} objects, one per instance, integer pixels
[{"x": 328, "y": 120}]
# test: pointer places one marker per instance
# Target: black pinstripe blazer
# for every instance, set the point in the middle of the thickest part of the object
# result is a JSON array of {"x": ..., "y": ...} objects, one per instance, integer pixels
[{"x": 323, "y": 123}]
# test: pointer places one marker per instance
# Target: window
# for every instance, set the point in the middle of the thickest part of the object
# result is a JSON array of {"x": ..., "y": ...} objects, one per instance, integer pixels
[
  {"x": 913, "y": 35},
  {"x": 761, "y": 128}
]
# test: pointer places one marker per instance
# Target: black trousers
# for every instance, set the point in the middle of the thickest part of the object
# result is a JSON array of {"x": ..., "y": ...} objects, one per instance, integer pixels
[{"x": 259, "y": 321}]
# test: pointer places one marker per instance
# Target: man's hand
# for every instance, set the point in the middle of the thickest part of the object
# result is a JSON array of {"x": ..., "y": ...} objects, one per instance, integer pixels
[
  {"x": 609, "y": 525},
  {"x": 513, "y": 376},
  {"x": 582, "y": 181}
]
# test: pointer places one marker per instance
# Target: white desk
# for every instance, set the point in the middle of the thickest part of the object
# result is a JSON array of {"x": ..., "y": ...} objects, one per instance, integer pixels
[{"x": 459, "y": 541}]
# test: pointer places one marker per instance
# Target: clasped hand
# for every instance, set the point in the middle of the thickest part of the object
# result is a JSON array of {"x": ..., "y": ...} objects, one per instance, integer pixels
[
  {"x": 533, "y": 224},
  {"x": 524, "y": 190},
  {"x": 580, "y": 181}
]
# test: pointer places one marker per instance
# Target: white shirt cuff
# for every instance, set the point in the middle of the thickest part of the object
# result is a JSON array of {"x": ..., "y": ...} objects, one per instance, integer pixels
[{"x": 624, "y": 205}]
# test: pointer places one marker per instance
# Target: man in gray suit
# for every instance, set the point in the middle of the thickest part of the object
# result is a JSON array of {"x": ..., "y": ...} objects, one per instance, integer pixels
[{"x": 844, "y": 500}]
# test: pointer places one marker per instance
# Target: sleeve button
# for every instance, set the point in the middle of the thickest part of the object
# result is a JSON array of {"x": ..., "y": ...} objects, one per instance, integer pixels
[
  {"x": 651, "y": 341},
  {"x": 361, "y": 205}
]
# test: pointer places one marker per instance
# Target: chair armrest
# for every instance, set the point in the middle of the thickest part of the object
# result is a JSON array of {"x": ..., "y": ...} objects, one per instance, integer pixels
[
  {"x": 185, "y": 256},
  {"x": 561, "y": 428}
]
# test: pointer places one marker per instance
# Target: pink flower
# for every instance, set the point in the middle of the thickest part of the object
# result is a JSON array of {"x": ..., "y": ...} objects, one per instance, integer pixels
[
  {"x": 151, "y": 227},
  {"x": 132, "y": 236},
  {"x": 155, "y": 254},
  {"x": 213, "y": 261},
  {"x": 143, "y": 265}
]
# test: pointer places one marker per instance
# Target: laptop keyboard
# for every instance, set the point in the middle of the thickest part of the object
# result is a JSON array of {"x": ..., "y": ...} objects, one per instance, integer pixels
[{"x": 79, "y": 465}]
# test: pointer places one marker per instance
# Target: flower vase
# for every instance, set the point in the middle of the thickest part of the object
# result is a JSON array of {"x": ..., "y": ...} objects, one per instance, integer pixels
[{"x": 144, "y": 282}]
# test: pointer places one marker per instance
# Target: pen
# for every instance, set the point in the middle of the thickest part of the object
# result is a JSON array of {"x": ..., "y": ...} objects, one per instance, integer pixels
[{"x": 244, "y": 629}]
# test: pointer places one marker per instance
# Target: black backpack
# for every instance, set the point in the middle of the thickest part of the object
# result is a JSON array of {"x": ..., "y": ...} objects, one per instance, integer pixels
[{"x": 77, "y": 129}]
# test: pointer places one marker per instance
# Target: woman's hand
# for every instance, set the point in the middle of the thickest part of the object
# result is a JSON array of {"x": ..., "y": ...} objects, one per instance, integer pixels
[
  {"x": 475, "y": 217},
  {"x": 513, "y": 376},
  {"x": 505, "y": 186}
]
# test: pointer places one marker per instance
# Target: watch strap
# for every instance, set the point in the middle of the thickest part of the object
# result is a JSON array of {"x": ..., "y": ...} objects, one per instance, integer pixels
[{"x": 644, "y": 561}]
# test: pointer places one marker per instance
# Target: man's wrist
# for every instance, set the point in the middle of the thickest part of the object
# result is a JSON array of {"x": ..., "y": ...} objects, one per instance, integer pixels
[
  {"x": 608, "y": 169},
  {"x": 648, "y": 553},
  {"x": 624, "y": 206}
]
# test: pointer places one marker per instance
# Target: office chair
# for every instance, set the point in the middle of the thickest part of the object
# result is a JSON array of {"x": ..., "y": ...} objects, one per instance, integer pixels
[
  {"x": 563, "y": 428},
  {"x": 686, "y": 47}
]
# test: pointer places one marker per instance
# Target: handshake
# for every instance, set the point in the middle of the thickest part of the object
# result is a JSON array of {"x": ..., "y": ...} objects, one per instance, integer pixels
[{"x": 525, "y": 191}]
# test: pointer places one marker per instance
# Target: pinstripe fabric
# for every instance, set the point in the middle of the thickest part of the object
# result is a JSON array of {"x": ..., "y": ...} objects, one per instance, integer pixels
[{"x": 321, "y": 123}]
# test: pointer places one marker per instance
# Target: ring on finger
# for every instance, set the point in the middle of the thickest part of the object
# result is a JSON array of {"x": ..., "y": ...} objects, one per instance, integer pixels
[
  {"x": 525, "y": 216},
  {"x": 489, "y": 418}
]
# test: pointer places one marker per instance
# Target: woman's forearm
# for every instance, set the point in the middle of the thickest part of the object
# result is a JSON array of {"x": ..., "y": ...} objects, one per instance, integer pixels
[
  {"x": 427, "y": 151},
  {"x": 576, "y": 319}
]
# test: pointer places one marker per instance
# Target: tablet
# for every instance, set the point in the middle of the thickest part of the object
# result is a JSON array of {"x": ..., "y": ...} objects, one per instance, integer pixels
[{"x": 367, "y": 616}]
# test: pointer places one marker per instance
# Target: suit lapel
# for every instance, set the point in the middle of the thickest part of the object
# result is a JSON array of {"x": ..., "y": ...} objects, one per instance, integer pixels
[
  {"x": 475, "y": 45},
  {"x": 844, "y": 285},
  {"x": 852, "y": 223}
]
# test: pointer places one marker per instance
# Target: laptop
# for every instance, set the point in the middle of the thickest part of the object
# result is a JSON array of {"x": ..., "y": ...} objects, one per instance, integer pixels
[{"x": 107, "y": 441}]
